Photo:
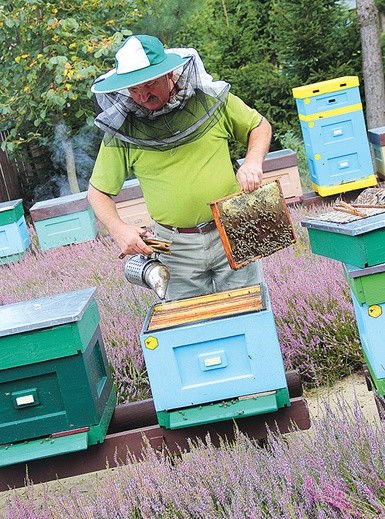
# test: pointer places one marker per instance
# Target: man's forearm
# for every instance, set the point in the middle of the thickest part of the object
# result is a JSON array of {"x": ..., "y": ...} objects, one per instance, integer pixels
[
  {"x": 104, "y": 208},
  {"x": 250, "y": 174},
  {"x": 259, "y": 142},
  {"x": 127, "y": 237}
]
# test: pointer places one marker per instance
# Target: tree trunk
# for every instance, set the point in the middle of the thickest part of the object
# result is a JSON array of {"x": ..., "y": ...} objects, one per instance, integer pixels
[
  {"x": 373, "y": 68},
  {"x": 70, "y": 159}
]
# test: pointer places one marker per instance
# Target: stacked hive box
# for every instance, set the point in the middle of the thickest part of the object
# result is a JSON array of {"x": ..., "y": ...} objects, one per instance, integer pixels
[
  {"x": 377, "y": 141},
  {"x": 335, "y": 137},
  {"x": 131, "y": 206},
  {"x": 14, "y": 236},
  {"x": 63, "y": 221},
  {"x": 56, "y": 390},
  {"x": 221, "y": 355},
  {"x": 360, "y": 245}
]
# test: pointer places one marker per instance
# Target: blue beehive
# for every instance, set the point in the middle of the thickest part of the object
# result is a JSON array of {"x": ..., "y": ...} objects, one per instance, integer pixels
[
  {"x": 14, "y": 236},
  {"x": 377, "y": 141},
  {"x": 335, "y": 137},
  {"x": 63, "y": 221},
  {"x": 214, "y": 358},
  {"x": 371, "y": 326}
]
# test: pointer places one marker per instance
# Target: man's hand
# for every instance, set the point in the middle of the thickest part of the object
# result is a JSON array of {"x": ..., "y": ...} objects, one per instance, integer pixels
[
  {"x": 249, "y": 177},
  {"x": 250, "y": 174},
  {"x": 129, "y": 239}
]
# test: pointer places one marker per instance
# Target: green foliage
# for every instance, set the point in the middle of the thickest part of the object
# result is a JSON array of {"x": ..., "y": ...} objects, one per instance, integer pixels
[
  {"x": 265, "y": 49},
  {"x": 51, "y": 53},
  {"x": 162, "y": 18},
  {"x": 380, "y": 4},
  {"x": 315, "y": 41}
]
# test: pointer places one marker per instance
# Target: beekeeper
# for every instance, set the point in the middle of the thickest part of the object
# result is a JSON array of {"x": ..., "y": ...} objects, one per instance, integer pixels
[{"x": 166, "y": 122}]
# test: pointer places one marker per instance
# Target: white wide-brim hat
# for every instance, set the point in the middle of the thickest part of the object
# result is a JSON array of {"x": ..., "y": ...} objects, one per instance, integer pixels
[{"x": 141, "y": 58}]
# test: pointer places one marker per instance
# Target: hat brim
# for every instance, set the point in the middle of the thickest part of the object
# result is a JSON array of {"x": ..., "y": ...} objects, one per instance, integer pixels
[{"x": 111, "y": 81}]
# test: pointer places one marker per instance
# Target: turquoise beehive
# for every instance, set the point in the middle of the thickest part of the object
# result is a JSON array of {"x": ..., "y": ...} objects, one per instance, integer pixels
[
  {"x": 14, "y": 236},
  {"x": 214, "y": 357},
  {"x": 64, "y": 221}
]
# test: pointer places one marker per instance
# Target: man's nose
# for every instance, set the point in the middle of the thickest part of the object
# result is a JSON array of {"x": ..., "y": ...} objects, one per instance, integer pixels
[{"x": 144, "y": 95}]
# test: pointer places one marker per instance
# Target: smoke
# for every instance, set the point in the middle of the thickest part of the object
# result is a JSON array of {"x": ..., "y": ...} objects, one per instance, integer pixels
[{"x": 85, "y": 145}]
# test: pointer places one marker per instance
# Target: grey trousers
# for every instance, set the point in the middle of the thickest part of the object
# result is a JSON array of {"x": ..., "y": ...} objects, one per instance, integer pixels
[{"x": 198, "y": 265}]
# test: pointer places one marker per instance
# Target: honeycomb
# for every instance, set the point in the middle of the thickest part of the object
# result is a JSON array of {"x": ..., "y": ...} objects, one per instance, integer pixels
[{"x": 253, "y": 225}]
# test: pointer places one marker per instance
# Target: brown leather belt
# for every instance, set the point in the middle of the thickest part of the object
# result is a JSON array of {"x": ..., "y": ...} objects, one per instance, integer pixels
[{"x": 202, "y": 228}]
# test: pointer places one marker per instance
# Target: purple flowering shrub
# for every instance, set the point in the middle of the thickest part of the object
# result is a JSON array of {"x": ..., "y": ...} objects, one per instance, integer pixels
[
  {"x": 336, "y": 470},
  {"x": 313, "y": 310},
  {"x": 310, "y": 299},
  {"x": 122, "y": 306}
]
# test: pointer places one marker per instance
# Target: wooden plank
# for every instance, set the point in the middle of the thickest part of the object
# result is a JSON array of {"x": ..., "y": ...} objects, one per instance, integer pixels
[
  {"x": 205, "y": 312},
  {"x": 206, "y": 307},
  {"x": 218, "y": 296},
  {"x": 127, "y": 446}
]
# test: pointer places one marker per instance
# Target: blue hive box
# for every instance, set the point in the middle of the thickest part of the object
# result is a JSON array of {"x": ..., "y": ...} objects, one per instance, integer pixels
[
  {"x": 335, "y": 136},
  {"x": 371, "y": 326},
  {"x": 63, "y": 221},
  {"x": 14, "y": 236},
  {"x": 337, "y": 149},
  {"x": 377, "y": 141},
  {"x": 334, "y": 94},
  {"x": 214, "y": 358}
]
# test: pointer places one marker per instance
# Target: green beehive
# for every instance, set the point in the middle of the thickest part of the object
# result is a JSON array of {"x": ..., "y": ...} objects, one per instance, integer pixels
[
  {"x": 56, "y": 391},
  {"x": 360, "y": 242},
  {"x": 368, "y": 284}
]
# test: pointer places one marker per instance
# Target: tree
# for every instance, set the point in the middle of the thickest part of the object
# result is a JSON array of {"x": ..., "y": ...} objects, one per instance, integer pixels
[
  {"x": 163, "y": 18},
  {"x": 51, "y": 53},
  {"x": 315, "y": 41},
  {"x": 373, "y": 69}
]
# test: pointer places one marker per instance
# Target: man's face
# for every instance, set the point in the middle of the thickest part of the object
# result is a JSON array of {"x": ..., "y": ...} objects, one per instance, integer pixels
[{"x": 154, "y": 94}]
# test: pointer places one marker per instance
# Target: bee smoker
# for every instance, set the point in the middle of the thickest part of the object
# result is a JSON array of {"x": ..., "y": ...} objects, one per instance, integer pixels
[{"x": 149, "y": 272}]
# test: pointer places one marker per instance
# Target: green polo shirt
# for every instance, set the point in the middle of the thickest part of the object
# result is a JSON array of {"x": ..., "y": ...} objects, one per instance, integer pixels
[{"x": 178, "y": 184}]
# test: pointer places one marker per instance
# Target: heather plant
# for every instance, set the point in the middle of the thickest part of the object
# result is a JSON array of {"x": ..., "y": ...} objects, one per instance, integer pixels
[
  {"x": 310, "y": 299},
  {"x": 313, "y": 310},
  {"x": 336, "y": 470}
]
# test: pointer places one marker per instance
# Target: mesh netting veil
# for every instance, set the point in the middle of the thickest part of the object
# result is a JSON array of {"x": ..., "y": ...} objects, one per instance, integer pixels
[{"x": 195, "y": 105}]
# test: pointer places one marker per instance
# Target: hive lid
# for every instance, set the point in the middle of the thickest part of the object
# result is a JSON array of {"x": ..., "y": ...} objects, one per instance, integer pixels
[
  {"x": 253, "y": 225},
  {"x": 44, "y": 312},
  {"x": 11, "y": 204},
  {"x": 357, "y": 272},
  {"x": 325, "y": 87},
  {"x": 353, "y": 228},
  {"x": 366, "y": 213}
]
